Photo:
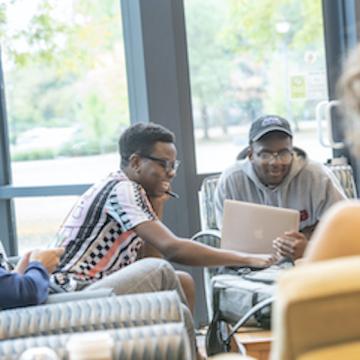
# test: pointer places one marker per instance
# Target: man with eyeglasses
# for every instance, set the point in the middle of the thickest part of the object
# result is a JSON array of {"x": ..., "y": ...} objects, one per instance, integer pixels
[
  {"x": 276, "y": 175},
  {"x": 119, "y": 218}
]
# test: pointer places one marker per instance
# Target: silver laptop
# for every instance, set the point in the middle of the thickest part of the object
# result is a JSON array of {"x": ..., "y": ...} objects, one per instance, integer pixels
[{"x": 252, "y": 227}]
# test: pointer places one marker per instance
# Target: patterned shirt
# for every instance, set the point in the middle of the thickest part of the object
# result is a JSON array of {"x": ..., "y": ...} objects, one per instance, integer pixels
[
  {"x": 99, "y": 235},
  {"x": 4, "y": 263}
]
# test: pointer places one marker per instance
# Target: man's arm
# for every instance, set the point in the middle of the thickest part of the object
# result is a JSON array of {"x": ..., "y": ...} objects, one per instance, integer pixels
[
  {"x": 147, "y": 250},
  {"x": 187, "y": 252},
  {"x": 158, "y": 205},
  {"x": 28, "y": 286},
  {"x": 31, "y": 288}
]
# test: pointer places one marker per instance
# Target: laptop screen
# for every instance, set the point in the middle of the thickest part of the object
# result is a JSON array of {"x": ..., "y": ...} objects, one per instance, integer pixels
[{"x": 252, "y": 227}]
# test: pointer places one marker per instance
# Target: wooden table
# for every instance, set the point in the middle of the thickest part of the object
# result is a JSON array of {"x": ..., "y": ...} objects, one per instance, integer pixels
[{"x": 256, "y": 342}]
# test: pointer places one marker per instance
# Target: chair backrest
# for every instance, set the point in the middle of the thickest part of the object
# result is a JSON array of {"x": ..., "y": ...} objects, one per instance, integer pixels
[
  {"x": 207, "y": 204},
  {"x": 316, "y": 309},
  {"x": 158, "y": 341},
  {"x": 344, "y": 173}
]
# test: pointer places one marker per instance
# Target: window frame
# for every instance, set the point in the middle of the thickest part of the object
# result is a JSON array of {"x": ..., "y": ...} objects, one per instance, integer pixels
[{"x": 159, "y": 91}]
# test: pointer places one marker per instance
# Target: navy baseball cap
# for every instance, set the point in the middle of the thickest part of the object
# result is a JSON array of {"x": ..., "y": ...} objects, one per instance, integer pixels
[{"x": 266, "y": 124}]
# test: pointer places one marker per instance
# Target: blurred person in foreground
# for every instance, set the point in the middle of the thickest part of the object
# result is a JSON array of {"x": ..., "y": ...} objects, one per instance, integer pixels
[
  {"x": 274, "y": 173},
  {"x": 338, "y": 234}
]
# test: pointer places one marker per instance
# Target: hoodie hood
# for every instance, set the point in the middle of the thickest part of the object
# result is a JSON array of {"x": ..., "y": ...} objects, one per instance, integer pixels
[{"x": 307, "y": 188}]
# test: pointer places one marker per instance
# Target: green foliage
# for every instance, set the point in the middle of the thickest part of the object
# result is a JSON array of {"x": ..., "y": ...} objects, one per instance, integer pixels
[
  {"x": 70, "y": 72},
  {"x": 2, "y": 19},
  {"x": 210, "y": 63},
  {"x": 39, "y": 34},
  {"x": 66, "y": 70},
  {"x": 81, "y": 148},
  {"x": 38, "y": 154},
  {"x": 87, "y": 148},
  {"x": 97, "y": 134},
  {"x": 240, "y": 60},
  {"x": 253, "y": 25},
  {"x": 310, "y": 35},
  {"x": 208, "y": 60}
]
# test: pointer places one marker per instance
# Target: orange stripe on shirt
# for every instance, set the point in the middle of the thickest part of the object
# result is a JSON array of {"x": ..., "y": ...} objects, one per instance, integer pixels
[{"x": 114, "y": 248}]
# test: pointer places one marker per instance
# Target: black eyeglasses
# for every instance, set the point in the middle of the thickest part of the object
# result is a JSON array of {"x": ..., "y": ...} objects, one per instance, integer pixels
[
  {"x": 284, "y": 156},
  {"x": 166, "y": 164}
]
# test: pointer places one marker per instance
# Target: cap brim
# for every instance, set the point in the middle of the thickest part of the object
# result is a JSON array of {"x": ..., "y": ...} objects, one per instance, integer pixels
[{"x": 269, "y": 130}]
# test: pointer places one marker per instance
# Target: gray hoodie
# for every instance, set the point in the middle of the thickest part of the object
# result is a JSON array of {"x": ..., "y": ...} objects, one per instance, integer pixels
[{"x": 309, "y": 187}]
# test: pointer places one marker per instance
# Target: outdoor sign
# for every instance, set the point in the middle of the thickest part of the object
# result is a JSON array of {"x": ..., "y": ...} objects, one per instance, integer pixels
[
  {"x": 317, "y": 85},
  {"x": 297, "y": 87}
]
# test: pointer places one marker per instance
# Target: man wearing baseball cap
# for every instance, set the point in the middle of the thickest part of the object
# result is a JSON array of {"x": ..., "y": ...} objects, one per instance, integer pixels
[{"x": 274, "y": 174}]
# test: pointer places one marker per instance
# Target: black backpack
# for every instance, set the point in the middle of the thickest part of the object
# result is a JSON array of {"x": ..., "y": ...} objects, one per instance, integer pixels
[{"x": 241, "y": 296}]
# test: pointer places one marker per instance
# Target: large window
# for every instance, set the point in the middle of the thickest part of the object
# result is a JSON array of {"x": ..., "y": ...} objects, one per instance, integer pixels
[
  {"x": 66, "y": 94},
  {"x": 38, "y": 218},
  {"x": 249, "y": 58}
]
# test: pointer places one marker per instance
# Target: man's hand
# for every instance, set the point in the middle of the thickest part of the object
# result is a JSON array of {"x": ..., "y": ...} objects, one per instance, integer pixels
[
  {"x": 261, "y": 261},
  {"x": 158, "y": 204},
  {"x": 23, "y": 263},
  {"x": 292, "y": 244},
  {"x": 50, "y": 258}
]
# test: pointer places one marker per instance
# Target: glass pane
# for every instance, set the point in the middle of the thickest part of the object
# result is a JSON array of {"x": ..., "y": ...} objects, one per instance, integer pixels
[
  {"x": 38, "y": 219},
  {"x": 66, "y": 91},
  {"x": 249, "y": 58}
]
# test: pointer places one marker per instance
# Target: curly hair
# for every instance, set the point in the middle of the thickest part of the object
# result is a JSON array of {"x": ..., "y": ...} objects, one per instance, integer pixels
[{"x": 349, "y": 91}]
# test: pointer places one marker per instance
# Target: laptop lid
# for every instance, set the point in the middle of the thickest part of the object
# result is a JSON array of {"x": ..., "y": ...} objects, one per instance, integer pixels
[{"x": 252, "y": 227}]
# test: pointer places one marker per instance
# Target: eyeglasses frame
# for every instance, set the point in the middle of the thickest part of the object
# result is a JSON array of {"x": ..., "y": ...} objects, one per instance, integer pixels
[
  {"x": 276, "y": 155},
  {"x": 166, "y": 164}
]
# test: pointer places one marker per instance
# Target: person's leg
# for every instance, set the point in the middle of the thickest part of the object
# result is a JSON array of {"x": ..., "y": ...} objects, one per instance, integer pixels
[
  {"x": 148, "y": 275},
  {"x": 188, "y": 286},
  {"x": 186, "y": 280}
]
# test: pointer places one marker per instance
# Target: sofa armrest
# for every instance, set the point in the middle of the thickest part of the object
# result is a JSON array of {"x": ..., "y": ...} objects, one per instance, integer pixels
[
  {"x": 160, "y": 341},
  {"x": 79, "y": 295},
  {"x": 92, "y": 314}
]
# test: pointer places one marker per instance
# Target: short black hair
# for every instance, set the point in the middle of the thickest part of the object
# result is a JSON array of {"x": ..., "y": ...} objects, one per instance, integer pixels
[{"x": 140, "y": 138}]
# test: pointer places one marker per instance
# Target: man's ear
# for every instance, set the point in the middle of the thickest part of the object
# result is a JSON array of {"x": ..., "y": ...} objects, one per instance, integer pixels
[
  {"x": 250, "y": 152},
  {"x": 134, "y": 161}
]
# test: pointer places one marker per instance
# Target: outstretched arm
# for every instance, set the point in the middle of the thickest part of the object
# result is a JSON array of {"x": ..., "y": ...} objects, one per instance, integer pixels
[{"x": 187, "y": 252}]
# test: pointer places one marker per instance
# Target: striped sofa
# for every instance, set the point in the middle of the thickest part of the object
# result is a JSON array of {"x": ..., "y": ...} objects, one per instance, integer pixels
[{"x": 155, "y": 318}]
